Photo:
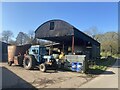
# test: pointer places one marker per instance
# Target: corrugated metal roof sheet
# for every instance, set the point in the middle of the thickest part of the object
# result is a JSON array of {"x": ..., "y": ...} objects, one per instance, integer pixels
[{"x": 62, "y": 32}]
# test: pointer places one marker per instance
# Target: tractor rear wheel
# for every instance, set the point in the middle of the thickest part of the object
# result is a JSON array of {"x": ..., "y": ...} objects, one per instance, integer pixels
[
  {"x": 29, "y": 62},
  {"x": 42, "y": 67}
]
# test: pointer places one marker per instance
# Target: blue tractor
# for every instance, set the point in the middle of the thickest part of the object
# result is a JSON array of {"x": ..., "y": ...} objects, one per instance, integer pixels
[
  {"x": 33, "y": 56},
  {"x": 37, "y": 57}
]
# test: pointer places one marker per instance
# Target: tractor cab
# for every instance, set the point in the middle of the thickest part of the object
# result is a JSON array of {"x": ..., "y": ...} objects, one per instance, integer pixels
[{"x": 38, "y": 52}]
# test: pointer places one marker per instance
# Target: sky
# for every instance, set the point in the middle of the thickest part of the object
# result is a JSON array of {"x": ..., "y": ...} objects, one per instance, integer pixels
[{"x": 27, "y": 16}]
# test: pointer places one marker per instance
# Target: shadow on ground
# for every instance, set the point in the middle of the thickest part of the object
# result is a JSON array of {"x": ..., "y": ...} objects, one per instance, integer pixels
[
  {"x": 11, "y": 81},
  {"x": 109, "y": 61},
  {"x": 37, "y": 69},
  {"x": 103, "y": 64},
  {"x": 98, "y": 71}
]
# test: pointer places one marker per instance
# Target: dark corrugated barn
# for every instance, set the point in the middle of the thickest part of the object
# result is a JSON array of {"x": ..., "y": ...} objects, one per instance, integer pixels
[
  {"x": 3, "y": 51},
  {"x": 69, "y": 37}
]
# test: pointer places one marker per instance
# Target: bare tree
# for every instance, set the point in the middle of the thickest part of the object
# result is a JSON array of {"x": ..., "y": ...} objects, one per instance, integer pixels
[
  {"x": 13, "y": 42},
  {"x": 22, "y": 39},
  {"x": 6, "y": 36},
  {"x": 31, "y": 35},
  {"x": 92, "y": 31}
]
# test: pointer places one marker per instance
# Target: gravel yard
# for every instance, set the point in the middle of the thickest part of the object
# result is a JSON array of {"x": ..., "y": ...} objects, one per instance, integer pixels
[{"x": 18, "y": 77}]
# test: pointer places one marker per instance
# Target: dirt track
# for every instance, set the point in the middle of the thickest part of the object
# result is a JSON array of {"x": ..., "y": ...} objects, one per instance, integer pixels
[{"x": 18, "y": 77}]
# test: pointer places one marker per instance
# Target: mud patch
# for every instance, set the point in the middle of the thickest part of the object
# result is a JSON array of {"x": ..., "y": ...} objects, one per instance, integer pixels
[{"x": 43, "y": 82}]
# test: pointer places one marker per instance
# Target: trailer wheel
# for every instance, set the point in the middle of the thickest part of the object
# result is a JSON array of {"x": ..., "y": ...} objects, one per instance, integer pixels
[
  {"x": 29, "y": 62},
  {"x": 10, "y": 63},
  {"x": 42, "y": 67},
  {"x": 20, "y": 60}
]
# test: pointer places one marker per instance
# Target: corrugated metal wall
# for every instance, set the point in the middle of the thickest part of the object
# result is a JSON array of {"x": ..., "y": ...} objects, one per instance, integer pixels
[
  {"x": 3, "y": 52},
  {"x": 0, "y": 51}
]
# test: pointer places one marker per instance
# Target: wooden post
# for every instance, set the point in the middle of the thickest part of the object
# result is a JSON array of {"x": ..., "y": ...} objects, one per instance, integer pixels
[
  {"x": 49, "y": 50},
  {"x": 72, "y": 44},
  {"x": 63, "y": 47}
]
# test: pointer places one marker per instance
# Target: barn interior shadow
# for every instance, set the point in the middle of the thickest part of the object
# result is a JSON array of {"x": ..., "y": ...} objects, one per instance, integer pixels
[{"x": 12, "y": 81}]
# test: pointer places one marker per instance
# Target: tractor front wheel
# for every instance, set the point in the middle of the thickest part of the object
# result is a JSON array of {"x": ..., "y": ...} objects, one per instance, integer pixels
[{"x": 42, "y": 67}]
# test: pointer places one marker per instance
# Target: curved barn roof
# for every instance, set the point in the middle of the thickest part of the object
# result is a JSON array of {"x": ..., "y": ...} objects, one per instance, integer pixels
[
  {"x": 61, "y": 28},
  {"x": 61, "y": 32}
]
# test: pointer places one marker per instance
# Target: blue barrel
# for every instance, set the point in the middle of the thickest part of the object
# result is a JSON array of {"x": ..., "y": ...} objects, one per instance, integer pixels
[
  {"x": 74, "y": 66},
  {"x": 78, "y": 66}
]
